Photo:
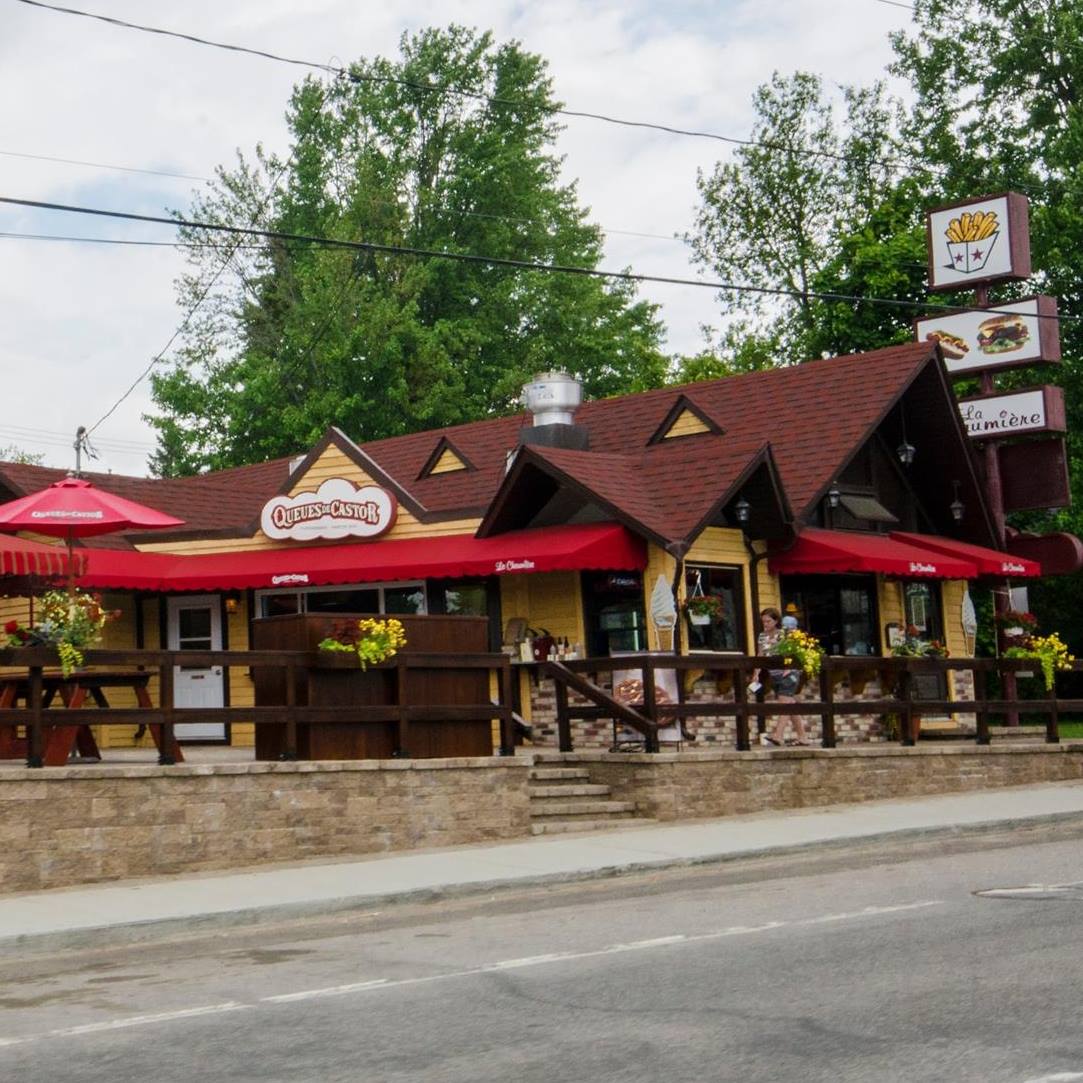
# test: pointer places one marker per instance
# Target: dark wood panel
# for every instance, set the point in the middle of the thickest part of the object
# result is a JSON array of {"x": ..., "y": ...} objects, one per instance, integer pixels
[{"x": 340, "y": 685}]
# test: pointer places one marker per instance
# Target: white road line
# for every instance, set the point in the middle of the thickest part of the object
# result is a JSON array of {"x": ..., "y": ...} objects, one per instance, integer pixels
[
  {"x": 130, "y": 1021},
  {"x": 330, "y": 991},
  {"x": 490, "y": 968},
  {"x": 1056, "y": 1077}
]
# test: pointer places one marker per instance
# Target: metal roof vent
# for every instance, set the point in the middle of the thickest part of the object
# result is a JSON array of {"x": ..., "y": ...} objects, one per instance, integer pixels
[{"x": 552, "y": 398}]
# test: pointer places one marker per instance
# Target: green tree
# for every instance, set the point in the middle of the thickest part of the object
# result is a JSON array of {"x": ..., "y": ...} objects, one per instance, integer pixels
[
  {"x": 294, "y": 337},
  {"x": 12, "y": 453},
  {"x": 811, "y": 205},
  {"x": 997, "y": 87}
]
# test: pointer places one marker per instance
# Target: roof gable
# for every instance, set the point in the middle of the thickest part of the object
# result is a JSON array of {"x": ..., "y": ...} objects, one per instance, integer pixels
[
  {"x": 684, "y": 418},
  {"x": 445, "y": 459}
]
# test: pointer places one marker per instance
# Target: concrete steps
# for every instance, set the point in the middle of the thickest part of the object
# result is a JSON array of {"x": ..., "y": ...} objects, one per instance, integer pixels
[{"x": 563, "y": 799}]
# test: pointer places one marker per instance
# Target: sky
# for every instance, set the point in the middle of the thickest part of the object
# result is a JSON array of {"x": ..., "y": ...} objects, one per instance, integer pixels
[{"x": 80, "y": 322}]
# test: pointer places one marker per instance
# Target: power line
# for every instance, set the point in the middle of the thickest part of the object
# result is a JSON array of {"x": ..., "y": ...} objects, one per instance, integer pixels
[
  {"x": 100, "y": 165},
  {"x": 22, "y": 432},
  {"x": 901, "y": 165},
  {"x": 383, "y": 202},
  {"x": 512, "y": 264}
]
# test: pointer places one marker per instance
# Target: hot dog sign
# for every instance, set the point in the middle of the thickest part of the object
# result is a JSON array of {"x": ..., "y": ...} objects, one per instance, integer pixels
[{"x": 1020, "y": 333}]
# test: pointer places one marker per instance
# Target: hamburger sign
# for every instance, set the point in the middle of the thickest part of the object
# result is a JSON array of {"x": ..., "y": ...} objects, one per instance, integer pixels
[{"x": 1020, "y": 333}]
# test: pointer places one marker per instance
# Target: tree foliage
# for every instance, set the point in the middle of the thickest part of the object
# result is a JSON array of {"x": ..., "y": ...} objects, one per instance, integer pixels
[
  {"x": 293, "y": 337},
  {"x": 997, "y": 106},
  {"x": 809, "y": 206}
]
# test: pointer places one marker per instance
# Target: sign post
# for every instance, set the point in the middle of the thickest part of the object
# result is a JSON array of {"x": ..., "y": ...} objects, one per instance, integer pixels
[{"x": 973, "y": 245}]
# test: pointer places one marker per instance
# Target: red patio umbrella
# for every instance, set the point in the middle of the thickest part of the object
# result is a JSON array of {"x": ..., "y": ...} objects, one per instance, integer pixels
[{"x": 74, "y": 508}]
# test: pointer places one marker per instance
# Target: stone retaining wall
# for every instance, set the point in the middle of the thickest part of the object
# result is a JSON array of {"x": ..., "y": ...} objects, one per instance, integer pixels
[
  {"x": 84, "y": 824},
  {"x": 697, "y": 785},
  {"x": 78, "y": 825}
]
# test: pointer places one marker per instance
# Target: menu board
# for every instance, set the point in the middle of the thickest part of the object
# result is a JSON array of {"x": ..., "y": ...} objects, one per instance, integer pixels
[
  {"x": 978, "y": 241},
  {"x": 1021, "y": 333}
]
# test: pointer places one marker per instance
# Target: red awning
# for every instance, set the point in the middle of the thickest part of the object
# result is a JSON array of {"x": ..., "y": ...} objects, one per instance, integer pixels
[
  {"x": 603, "y": 546},
  {"x": 18, "y": 556},
  {"x": 989, "y": 561},
  {"x": 823, "y": 552}
]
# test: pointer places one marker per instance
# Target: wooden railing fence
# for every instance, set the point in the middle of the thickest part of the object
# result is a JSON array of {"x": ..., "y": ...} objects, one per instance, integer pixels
[
  {"x": 30, "y": 669},
  {"x": 896, "y": 677}
]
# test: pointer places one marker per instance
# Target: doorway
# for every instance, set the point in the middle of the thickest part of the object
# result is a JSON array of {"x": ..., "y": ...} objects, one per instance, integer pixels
[{"x": 195, "y": 624}]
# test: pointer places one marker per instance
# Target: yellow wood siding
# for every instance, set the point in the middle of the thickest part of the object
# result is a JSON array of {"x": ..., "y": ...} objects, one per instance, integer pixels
[
  {"x": 333, "y": 463},
  {"x": 892, "y": 609},
  {"x": 958, "y": 644},
  {"x": 685, "y": 424},
  {"x": 447, "y": 463},
  {"x": 724, "y": 545},
  {"x": 659, "y": 562}
]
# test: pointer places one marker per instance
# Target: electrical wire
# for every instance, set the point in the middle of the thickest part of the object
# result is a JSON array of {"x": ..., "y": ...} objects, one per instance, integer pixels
[
  {"x": 516, "y": 264},
  {"x": 100, "y": 165},
  {"x": 900, "y": 165}
]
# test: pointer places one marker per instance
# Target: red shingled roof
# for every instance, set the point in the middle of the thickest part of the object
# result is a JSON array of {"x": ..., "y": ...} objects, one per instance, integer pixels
[{"x": 813, "y": 417}]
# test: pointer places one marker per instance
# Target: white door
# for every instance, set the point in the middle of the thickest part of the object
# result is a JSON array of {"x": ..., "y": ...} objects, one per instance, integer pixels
[{"x": 195, "y": 624}]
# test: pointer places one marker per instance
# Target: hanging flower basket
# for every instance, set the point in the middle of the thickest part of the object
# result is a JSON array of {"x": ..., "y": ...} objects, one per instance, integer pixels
[
  {"x": 704, "y": 608},
  {"x": 1050, "y": 652},
  {"x": 69, "y": 623}
]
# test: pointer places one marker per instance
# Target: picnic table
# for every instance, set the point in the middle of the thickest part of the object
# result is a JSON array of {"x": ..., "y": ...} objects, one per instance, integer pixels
[{"x": 63, "y": 737}]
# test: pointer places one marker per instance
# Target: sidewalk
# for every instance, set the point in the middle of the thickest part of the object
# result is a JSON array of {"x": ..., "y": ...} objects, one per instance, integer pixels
[{"x": 138, "y": 911}]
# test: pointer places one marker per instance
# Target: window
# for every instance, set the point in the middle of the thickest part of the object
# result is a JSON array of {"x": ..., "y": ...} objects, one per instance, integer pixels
[
  {"x": 613, "y": 612},
  {"x": 839, "y": 610},
  {"x": 724, "y": 631},
  {"x": 371, "y": 598}
]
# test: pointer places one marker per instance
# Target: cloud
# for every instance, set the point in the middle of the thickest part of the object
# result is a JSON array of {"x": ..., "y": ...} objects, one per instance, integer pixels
[{"x": 78, "y": 323}]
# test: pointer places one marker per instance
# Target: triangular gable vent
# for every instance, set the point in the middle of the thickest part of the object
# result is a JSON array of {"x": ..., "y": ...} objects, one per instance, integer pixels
[
  {"x": 684, "y": 418},
  {"x": 445, "y": 459}
]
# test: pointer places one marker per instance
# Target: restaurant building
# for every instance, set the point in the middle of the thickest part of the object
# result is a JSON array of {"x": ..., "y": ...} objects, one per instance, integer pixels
[{"x": 843, "y": 490}]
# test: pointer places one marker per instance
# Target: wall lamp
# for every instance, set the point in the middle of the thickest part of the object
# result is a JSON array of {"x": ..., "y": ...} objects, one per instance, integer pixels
[
  {"x": 742, "y": 509},
  {"x": 906, "y": 451},
  {"x": 834, "y": 497},
  {"x": 958, "y": 508}
]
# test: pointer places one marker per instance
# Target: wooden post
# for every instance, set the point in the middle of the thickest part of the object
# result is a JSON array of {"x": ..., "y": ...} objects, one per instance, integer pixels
[
  {"x": 35, "y": 745},
  {"x": 564, "y": 725},
  {"x": 981, "y": 710},
  {"x": 289, "y": 750},
  {"x": 507, "y": 723},
  {"x": 740, "y": 697},
  {"x": 402, "y": 726},
  {"x": 165, "y": 702},
  {"x": 827, "y": 698},
  {"x": 1052, "y": 722},
  {"x": 650, "y": 704},
  {"x": 906, "y": 721}
]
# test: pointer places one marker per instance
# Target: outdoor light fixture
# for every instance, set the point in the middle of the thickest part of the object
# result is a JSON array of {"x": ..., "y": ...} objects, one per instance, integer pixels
[
  {"x": 233, "y": 603},
  {"x": 833, "y": 495},
  {"x": 958, "y": 508},
  {"x": 906, "y": 451},
  {"x": 742, "y": 509}
]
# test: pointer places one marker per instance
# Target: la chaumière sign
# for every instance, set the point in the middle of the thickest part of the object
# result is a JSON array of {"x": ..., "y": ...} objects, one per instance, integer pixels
[{"x": 337, "y": 509}]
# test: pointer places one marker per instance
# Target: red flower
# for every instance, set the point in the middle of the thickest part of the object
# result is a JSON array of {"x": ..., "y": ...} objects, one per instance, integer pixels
[{"x": 11, "y": 627}]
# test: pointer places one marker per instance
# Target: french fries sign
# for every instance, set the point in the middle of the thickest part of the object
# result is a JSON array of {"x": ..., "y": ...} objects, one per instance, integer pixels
[
  {"x": 1020, "y": 333},
  {"x": 978, "y": 242}
]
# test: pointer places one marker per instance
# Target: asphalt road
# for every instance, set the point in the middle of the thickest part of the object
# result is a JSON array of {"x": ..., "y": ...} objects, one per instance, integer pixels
[{"x": 863, "y": 965}]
